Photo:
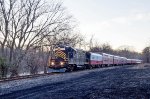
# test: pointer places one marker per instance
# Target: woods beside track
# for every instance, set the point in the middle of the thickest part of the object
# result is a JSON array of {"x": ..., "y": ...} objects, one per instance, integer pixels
[{"x": 111, "y": 82}]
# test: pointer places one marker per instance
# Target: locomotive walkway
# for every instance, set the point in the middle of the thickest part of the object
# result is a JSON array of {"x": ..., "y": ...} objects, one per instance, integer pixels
[{"x": 122, "y": 82}]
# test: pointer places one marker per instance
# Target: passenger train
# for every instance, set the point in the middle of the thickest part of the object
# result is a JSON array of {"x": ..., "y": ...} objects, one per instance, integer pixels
[{"x": 71, "y": 59}]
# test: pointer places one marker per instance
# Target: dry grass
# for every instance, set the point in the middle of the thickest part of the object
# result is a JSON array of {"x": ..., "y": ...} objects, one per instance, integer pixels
[
  {"x": 144, "y": 65},
  {"x": 141, "y": 66}
]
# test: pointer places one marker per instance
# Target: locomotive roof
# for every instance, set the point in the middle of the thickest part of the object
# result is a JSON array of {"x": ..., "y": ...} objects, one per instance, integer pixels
[
  {"x": 95, "y": 54},
  {"x": 107, "y": 54}
]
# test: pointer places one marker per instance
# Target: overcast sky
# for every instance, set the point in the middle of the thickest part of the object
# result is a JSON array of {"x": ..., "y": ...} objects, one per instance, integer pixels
[{"x": 117, "y": 22}]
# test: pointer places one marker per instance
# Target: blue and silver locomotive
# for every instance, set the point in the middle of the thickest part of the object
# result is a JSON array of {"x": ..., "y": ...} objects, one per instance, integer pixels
[{"x": 68, "y": 58}]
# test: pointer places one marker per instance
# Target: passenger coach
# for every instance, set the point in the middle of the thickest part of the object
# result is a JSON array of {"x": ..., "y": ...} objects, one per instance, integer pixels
[{"x": 94, "y": 60}]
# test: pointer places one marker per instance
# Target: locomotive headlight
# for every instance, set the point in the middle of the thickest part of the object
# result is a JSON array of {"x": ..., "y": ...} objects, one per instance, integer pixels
[
  {"x": 52, "y": 63},
  {"x": 61, "y": 63}
]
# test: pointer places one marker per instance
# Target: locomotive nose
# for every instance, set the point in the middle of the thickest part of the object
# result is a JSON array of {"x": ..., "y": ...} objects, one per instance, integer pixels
[{"x": 57, "y": 64}]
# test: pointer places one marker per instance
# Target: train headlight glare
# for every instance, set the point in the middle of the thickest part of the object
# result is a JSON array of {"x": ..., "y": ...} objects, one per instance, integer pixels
[
  {"x": 52, "y": 63},
  {"x": 61, "y": 63}
]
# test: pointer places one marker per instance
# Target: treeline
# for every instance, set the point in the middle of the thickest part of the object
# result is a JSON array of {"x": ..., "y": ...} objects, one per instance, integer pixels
[{"x": 123, "y": 51}]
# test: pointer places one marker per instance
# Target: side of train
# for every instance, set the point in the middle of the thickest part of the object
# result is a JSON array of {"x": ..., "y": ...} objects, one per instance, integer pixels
[{"x": 71, "y": 59}]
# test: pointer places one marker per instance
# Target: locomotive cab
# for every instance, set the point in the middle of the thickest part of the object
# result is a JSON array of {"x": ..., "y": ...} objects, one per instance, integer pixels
[{"x": 68, "y": 58}]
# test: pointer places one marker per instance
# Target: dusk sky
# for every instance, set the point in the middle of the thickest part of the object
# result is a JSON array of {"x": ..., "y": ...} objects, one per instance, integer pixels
[{"x": 117, "y": 22}]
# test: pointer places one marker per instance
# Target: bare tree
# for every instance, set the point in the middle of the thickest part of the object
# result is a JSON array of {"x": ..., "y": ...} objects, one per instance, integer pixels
[
  {"x": 5, "y": 11},
  {"x": 91, "y": 42},
  {"x": 146, "y": 54},
  {"x": 33, "y": 61},
  {"x": 127, "y": 51},
  {"x": 70, "y": 39},
  {"x": 103, "y": 48},
  {"x": 27, "y": 23}
]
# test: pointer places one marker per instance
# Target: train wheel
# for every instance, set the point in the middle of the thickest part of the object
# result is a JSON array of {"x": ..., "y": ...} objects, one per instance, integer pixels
[
  {"x": 86, "y": 66},
  {"x": 90, "y": 67},
  {"x": 70, "y": 68},
  {"x": 75, "y": 68},
  {"x": 99, "y": 66}
]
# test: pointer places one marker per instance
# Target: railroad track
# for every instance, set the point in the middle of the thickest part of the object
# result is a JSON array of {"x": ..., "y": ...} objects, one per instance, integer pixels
[
  {"x": 30, "y": 76},
  {"x": 24, "y": 77},
  {"x": 36, "y": 75}
]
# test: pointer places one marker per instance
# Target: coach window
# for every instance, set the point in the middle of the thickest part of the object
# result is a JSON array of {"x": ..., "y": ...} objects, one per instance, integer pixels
[{"x": 92, "y": 57}]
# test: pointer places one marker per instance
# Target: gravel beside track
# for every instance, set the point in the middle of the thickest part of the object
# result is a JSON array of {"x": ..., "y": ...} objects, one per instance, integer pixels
[{"x": 124, "y": 82}]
